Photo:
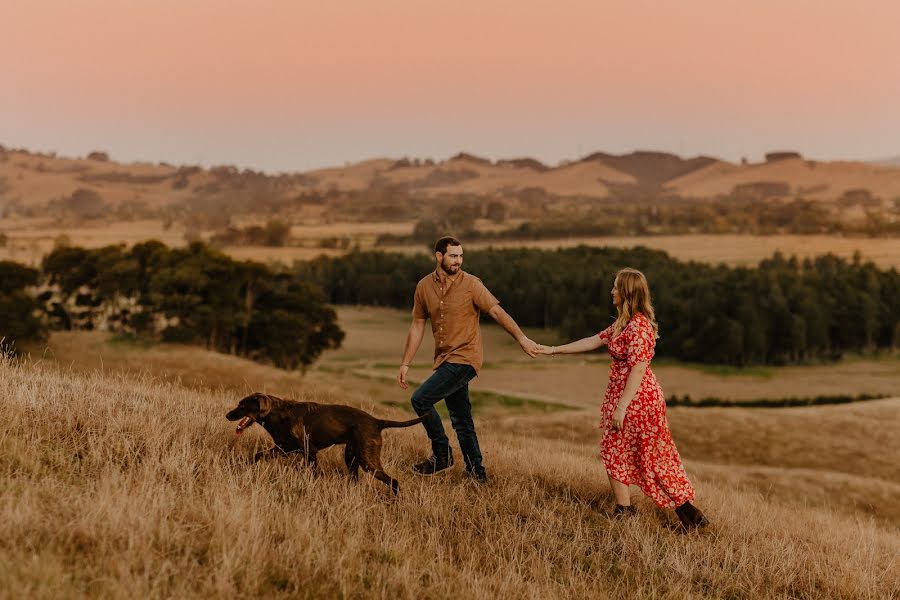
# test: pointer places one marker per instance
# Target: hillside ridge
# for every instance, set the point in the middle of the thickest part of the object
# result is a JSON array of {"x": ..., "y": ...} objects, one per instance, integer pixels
[{"x": 30, "y": 178}]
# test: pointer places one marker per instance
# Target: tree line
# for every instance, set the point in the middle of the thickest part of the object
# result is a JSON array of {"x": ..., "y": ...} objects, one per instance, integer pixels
[
  {"x": 188, "y": 295},
  {"x": 784, "y": 311}
]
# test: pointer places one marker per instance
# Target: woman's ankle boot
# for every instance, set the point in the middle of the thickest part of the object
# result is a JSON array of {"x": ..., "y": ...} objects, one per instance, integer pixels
[
  {"x": 691, "y": 517},
  {"x": 620, "y": 511}
]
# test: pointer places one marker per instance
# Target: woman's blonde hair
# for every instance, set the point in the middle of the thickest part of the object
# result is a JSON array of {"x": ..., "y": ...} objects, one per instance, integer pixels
[{"x": 634, "y": 294}]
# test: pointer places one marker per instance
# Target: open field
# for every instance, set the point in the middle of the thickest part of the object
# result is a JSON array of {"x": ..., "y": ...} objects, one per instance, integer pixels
[
  {"x": 375, "y": 339},
  {"x": 729, "y": 249},
  {"x": 30, "y": 239},
  {"x": 739, "y": 250},
  {"x": 124, "y": 485}
]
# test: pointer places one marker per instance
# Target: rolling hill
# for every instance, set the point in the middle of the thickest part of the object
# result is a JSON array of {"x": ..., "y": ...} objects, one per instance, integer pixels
[{"x": 33, "y": 180}]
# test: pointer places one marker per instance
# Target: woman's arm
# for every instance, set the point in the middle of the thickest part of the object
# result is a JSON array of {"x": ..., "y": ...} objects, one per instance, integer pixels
[
  {"x": 583, "y": 345},
  {"x": 632, "y": 384}
]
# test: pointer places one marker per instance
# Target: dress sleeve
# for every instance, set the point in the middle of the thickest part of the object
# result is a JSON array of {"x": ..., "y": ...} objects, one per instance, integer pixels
[
  {"x": 606, "y": 334},
  {"x": 640, "y": 341}
]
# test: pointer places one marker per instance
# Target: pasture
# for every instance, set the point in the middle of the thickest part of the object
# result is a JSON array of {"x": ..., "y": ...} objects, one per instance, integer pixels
[
  {"x": 375, "y": 338},
  {"x": 30, "y": 239}
]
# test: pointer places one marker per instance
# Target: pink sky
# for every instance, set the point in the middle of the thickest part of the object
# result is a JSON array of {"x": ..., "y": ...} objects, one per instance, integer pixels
[{"x": 296, "y": 84}]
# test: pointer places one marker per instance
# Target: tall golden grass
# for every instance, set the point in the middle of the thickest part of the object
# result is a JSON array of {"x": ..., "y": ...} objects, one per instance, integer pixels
[{"x": 127, "y": 485}]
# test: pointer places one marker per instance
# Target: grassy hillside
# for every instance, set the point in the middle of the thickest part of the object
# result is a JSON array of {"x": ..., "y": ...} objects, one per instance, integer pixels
[{"x": 127, "y": 484}]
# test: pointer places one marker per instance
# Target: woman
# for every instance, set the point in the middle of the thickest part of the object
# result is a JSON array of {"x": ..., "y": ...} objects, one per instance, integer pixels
[{"x": 637, "y": 447}]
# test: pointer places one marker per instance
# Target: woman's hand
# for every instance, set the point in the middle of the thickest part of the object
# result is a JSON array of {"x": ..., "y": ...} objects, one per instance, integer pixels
[
  {"x": 618, "y": 418},
  {"x": 542, "y": 349}
]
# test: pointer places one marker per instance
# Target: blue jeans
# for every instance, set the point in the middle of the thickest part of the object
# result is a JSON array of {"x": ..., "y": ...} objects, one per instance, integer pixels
[{"x": 449, "y": 382}]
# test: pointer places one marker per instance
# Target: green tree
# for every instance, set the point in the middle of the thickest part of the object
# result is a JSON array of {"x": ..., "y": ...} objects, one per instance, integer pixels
[{"x": 19, "y": 320}]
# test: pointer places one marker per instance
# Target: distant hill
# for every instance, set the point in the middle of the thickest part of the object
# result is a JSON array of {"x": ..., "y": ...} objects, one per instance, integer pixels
[
  {"x": 651, "y": 168},
  {"x": 32, "y": 181},
  {"x": 886, "y": 162}
]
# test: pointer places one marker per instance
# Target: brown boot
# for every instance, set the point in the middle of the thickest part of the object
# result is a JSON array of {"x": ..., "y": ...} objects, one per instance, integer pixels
[
  {"x": 691, "y": 517},
  {"x": 621, "y": 512}
]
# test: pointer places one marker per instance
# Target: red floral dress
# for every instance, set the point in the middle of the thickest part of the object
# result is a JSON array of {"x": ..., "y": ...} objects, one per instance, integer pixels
[{"x": 642, "y": 452}]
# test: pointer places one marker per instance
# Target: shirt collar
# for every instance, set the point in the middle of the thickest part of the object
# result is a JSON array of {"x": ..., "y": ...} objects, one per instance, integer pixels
[{"x": 436, "y": 276}]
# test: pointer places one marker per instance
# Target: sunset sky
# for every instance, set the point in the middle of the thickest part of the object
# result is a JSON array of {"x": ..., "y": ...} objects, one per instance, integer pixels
[{"x": 285, "y": 85}]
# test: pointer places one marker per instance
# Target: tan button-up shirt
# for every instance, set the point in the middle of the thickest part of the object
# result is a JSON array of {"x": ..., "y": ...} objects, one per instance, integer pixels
[{"x": 453, "y": 305}]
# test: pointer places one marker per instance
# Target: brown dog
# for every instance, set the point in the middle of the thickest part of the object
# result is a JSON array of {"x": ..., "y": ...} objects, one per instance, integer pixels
[{"x": 307, "y": 427}]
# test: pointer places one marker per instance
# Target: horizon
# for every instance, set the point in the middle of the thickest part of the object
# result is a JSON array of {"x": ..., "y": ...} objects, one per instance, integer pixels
[
  {"x": 298, "y": 86},
  {"x": 888, "y": 161}
]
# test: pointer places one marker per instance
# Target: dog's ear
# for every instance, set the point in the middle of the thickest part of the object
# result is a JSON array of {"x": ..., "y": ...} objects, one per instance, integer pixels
[{"x": 265, "y": 405}]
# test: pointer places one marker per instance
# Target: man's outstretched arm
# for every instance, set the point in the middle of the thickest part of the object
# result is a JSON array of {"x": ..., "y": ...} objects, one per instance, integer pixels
[
  {"x": 502, "y": 317},
  {"x": 413, "y": 341}
]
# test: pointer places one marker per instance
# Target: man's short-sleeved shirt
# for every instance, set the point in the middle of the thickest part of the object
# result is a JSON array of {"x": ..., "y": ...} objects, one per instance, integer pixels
[{"x": 453, "y": 306}]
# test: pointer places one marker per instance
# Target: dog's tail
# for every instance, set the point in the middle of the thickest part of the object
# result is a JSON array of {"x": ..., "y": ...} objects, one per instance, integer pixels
[{"x": 385, "y": 424}]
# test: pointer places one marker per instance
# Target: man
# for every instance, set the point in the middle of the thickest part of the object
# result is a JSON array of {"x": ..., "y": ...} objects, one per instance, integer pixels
[{"x": 452, "y": 299}]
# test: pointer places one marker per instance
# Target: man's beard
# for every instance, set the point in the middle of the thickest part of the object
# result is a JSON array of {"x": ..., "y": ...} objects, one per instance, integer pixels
[{"x": 448, "y": 268}]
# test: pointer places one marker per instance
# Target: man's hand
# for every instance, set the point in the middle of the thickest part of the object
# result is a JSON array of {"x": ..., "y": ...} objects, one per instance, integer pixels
[
  {"x": 529, "y": 347},
  {"x": 618, "y": 418},
  {"x": 401, "y": 377}
]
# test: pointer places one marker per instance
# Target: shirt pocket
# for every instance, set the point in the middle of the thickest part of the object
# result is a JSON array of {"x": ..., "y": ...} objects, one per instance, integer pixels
[{"x": 456, "y": 306}]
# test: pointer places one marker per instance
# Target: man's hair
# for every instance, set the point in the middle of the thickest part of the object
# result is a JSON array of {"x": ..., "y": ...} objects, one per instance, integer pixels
[{"x": 447, "y": 240}]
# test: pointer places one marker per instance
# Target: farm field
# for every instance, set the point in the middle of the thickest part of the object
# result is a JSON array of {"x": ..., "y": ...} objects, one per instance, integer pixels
[
  {"x": 739, "y": 250},
  {"x": 30, "y": 239}
]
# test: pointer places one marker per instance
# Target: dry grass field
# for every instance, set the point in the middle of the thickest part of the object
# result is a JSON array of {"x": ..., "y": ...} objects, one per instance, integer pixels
[
  {"x": 120, "y": 477},
  {"x": 737, "y": 250},
  {"x": 30, "y": 239},
  {"x": 731, "y": 250},
  {"x": 126, "y": 485}
]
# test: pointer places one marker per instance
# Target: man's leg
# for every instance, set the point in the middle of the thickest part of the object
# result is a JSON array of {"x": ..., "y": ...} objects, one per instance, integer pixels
[
  {"x": 446, "y": 380},
  {"x": 460, "y": 407}
]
